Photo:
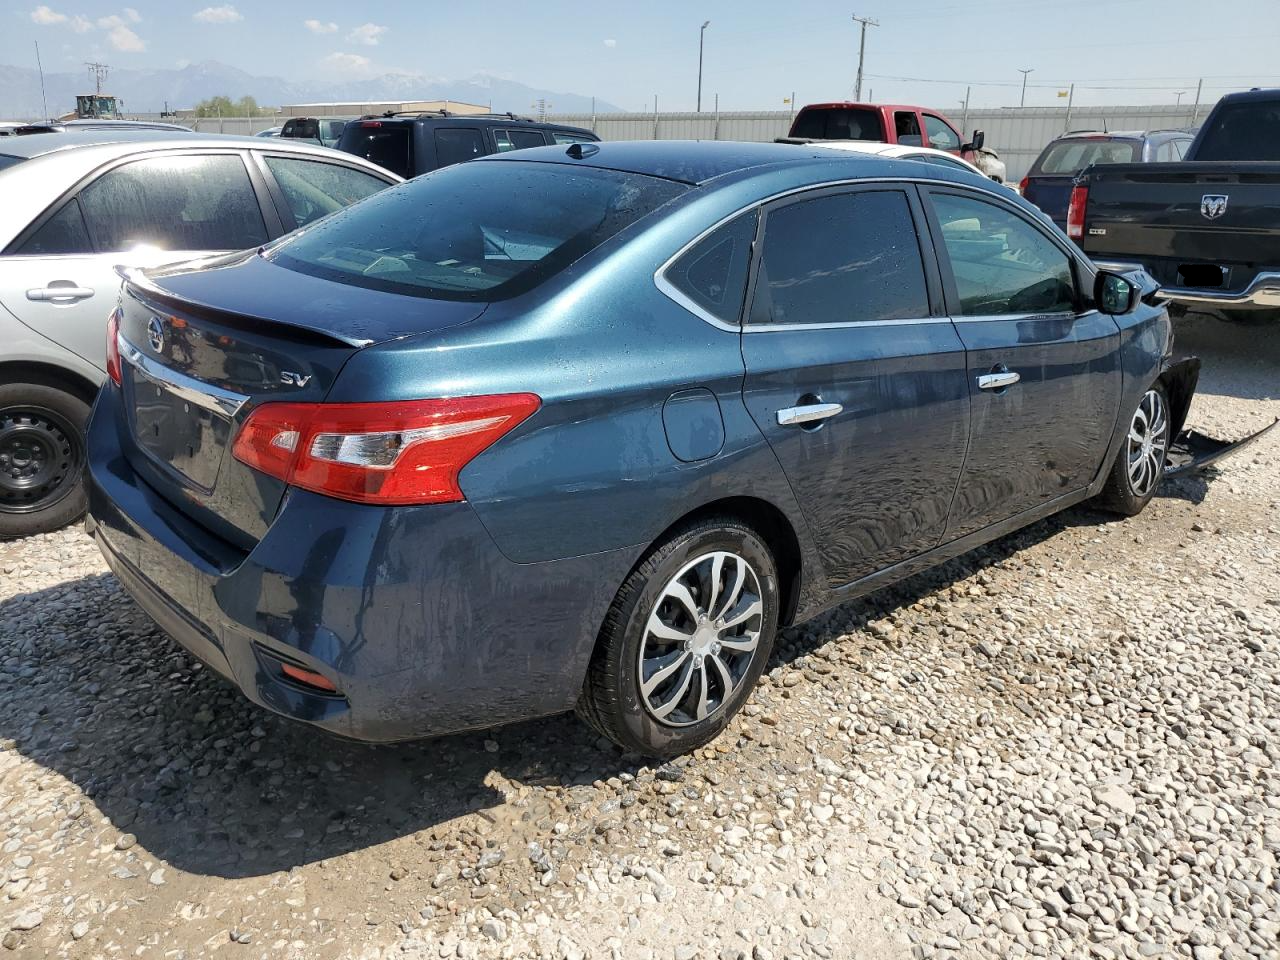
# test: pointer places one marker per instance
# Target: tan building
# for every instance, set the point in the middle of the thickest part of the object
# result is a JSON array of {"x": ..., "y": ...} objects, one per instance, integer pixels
[{"x": 359, "y": 109}]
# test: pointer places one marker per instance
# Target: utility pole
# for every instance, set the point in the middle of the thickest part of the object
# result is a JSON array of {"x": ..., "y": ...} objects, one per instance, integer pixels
[
  {"x": 862, "y": 51},
  {"x": 1195, "y": 110},
  {"x": 1023, "y": 101},
  {"x": 1071, "y": 98},
  {"x": 1178, "y": 94},
  {"x": 964, "y": 117},
  {"x": 44, "y": 101},
  {"x": 701, "y": 34},
  {"x": 99, "y": 73}
]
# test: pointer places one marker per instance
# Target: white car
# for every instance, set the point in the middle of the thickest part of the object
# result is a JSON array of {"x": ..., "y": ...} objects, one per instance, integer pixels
[
  {"x": 995, "y": 166},
  {"x": 79, "y": 203}
]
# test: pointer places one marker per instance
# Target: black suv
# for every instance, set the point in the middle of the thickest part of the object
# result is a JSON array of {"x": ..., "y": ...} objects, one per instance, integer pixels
[{"x": 414, "y": 143}]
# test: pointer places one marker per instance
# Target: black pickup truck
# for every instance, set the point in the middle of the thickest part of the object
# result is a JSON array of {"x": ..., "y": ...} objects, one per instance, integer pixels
[{"x": 1207, "y": 227}]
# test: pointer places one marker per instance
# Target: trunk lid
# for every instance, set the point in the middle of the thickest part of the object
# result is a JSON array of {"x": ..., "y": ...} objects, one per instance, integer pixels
[{"x": 198, "y": 355}]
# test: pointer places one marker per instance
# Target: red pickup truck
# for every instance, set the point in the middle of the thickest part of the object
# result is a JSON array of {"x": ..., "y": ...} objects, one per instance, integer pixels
[{"x": 886, "y": 123}]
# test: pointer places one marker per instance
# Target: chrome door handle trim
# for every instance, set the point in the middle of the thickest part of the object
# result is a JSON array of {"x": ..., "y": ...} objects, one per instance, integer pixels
[
  {"x": 998, "y": 381},
  {"x": 789, "y": 416},
  {"x": 47, "y": 294}
]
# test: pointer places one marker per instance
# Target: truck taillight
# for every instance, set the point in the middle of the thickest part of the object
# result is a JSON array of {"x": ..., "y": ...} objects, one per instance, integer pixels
[
  {"x": 113, "y": 346},
  {"x": 402, "y": 452},
  {"x": 1075, "y": 212},
  {"x": 1022, "y": 185}
]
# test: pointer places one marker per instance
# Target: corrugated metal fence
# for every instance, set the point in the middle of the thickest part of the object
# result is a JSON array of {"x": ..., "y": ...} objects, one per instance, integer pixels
[{"x": 1016, "y": 133}]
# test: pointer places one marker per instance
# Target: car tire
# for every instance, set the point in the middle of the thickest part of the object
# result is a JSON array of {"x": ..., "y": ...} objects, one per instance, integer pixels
[
  {"x": 1139, "y": 465},
  {"x": 727, "y": 571},
  {"x": 42, "y": 446}
]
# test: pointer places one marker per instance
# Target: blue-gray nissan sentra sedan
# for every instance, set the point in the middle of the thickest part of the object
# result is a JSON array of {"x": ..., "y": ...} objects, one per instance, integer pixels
[{"x": 587, "y": 427}]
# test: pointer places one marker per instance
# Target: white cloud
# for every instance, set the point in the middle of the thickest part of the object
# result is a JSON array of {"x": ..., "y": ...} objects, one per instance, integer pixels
[
  {"x": 367, "y": 33},
  {"x": 347, "y": 63},
  {"x": 316, "y": 26},
  {"x": 46, "y": 17},
  {"x": 223, "y": 14},
  {"x": 121, "y": 37},
  {"x": 611, "y": 43}
]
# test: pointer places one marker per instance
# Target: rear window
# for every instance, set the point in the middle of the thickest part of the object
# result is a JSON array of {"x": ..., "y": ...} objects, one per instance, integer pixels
[
  {"x": 1242, "y": 131},
  {"x": 301, "y": 130},
  {"x": 475, "y": 231},
  {"x": 839, "y": 123},
  {"x": 1069, "y": 157},
  {"x": 389, "y": 146}
]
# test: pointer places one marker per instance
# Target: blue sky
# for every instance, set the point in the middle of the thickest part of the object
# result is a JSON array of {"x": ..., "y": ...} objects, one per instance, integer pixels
[{"x": 757, "y": 53}]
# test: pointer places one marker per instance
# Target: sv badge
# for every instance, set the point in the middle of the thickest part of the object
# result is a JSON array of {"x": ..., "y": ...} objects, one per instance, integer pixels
[{"x": 294, "y": 379}]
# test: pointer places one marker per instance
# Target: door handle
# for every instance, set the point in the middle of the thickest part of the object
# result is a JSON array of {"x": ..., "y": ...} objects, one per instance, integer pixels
[
  {"x": 998, "y": 380},
  {"x": 809, "y": 413},
  {"x": 54, "y": 294}
]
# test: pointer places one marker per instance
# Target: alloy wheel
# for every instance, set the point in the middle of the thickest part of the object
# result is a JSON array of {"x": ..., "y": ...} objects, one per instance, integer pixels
[
  {"x": 1148, "y": 443},
  {"x": 41, "y": 456},
  {"x": 700, "y": 639}
]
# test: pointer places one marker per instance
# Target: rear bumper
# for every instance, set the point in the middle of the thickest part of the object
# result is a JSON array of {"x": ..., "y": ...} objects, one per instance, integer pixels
[
  {"x": 1262, "y": 292},
  {"x": 416, "y": 616}
]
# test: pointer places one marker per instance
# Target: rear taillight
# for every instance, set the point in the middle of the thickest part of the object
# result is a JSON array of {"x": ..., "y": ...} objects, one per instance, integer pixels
[
  {"x": 402, "y": 452},
  {"x": 371, "y": 123},
  {"x": 1022, "y": 185},
  {"x": 1075, "y": 212},
  {"x": 113, "y": 346}
]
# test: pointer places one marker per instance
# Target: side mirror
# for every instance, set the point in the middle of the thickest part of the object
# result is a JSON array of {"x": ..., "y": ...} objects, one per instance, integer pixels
[
  {"x": 1115, "y": 294},
  {"x": 979, "y": 138}
]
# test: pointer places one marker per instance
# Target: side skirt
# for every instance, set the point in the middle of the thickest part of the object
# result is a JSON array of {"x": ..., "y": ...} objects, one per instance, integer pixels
[{"x": 947, "y": 551}]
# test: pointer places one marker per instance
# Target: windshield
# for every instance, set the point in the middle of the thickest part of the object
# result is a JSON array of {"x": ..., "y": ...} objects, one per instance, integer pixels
[
  {"x": 475, "y": 231},
  {"x": 838, "y": 123},
  {"x": 1242, "y": 131},
  {"x": 1069, "y": 157}
]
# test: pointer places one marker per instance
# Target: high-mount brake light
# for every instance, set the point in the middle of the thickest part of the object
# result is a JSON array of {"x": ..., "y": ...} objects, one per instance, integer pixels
[
  {"x": 401, "y": 452},
  {"x": 113, "y": 346}
]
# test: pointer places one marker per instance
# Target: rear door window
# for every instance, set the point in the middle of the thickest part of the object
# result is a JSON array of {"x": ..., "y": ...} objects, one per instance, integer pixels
[
  {"x": 390, "y": 146},
  {"x": 906, "y": 127},
  {"x": 713, "y": 272},
  {"x": 174, "y": 203},
  {"x": 475, "y": 231},
  {"x": 457, "y": 144},
  {"x": 314, "y": 189},
  {"x": 841, "y": 258},
  {"x": 839, "y": 123},
  {"x": 941, "y": 136}
]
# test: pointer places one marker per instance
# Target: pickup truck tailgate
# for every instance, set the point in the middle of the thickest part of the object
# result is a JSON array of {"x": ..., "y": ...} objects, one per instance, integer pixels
[{"x": 1165, "y": 215}]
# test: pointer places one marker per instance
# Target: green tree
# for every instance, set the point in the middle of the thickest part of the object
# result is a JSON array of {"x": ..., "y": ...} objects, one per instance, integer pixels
[{"x": 223, "y": 106}]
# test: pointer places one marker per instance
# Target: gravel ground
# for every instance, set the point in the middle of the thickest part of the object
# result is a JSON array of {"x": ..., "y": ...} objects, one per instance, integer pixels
[{"x": 1063, "y": 745}]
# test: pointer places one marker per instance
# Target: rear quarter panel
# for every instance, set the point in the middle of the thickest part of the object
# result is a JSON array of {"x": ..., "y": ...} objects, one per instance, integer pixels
[{"x": 592, "y": 470}]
